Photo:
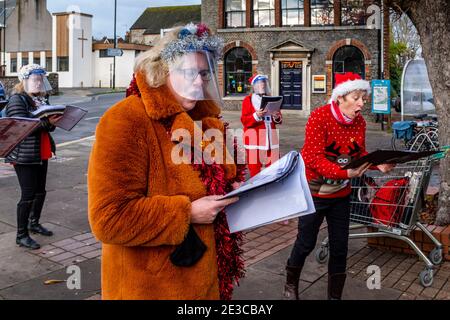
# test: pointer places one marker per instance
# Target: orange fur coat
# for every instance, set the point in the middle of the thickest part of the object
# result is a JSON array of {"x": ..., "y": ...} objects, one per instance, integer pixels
[{"x": 140, "y": 201}]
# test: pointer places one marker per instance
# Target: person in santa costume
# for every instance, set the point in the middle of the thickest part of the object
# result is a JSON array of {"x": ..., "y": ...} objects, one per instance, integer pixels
[
  {"x": 260, "y": 135},
  {"x": 334, "y": 135}
]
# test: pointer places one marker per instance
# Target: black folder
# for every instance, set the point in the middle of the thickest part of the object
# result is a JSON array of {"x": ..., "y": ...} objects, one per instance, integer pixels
[
  {"x": 266, "y": 99},
  {"x": 389, "y": 157}
]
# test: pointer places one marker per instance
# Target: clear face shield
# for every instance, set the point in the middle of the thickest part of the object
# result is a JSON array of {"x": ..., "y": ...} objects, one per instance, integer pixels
[
  {"x": 193, "y": 76},
  {"x": 36, "y": 84},
  {"x": 262, "y": 87}
]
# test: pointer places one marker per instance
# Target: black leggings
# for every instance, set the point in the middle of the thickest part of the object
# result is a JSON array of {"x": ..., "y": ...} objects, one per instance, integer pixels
[
  {"x": 32, "y": 179},
  {"x": 337, "y": 212}
]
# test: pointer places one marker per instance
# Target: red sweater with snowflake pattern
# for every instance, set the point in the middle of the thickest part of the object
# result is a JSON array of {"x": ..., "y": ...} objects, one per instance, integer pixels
[{"x": 330, "y": 145}]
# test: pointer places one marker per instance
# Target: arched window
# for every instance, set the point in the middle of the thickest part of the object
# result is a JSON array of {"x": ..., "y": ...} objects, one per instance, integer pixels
[
  {"x": 348, "y": 59},
  {"x": 238, "y": 69}
]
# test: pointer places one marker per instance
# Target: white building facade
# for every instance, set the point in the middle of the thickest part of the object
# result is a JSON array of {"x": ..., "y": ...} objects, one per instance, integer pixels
[{"x": 65, "y": 47}]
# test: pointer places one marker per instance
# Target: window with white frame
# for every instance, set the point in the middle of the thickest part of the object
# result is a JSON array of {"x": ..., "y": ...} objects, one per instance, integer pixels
[
  {"x": 25, "y": 60},
  {"x": 235, "y": 13},
  {"x": 292, "y": 12},
  {"x": 263, "y": 13},
  {"x": 13, "y": 65}
]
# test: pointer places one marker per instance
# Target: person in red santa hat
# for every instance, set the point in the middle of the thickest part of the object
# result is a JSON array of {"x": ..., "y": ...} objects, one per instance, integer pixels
[
  {"x": 334, "y": 135},
  {"x": 260, "y": 136}
]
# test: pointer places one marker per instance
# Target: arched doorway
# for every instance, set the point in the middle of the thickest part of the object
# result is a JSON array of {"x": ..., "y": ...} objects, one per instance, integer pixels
[{"x": 348, "y": 59}]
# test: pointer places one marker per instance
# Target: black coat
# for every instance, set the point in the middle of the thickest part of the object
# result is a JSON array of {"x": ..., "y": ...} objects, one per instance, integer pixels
[{"x": 29, "y": 150}]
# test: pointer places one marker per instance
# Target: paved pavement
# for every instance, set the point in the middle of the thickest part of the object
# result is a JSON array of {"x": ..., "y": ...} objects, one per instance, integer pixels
[{"x": 23, "y": 272}]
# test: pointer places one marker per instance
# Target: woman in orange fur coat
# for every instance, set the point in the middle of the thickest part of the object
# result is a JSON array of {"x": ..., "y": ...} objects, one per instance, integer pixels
[{"x": 163, "y": 229}]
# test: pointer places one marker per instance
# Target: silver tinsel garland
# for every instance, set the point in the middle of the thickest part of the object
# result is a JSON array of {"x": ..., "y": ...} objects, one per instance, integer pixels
[{"x": 190, "y": 43}]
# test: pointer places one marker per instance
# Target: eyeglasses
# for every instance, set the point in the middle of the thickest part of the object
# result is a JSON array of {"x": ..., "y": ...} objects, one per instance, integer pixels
[{"x": 192, "y": 74}]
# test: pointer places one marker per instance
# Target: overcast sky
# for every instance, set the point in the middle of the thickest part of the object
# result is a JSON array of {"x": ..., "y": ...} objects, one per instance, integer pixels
[{"x": 103, "y": 11}]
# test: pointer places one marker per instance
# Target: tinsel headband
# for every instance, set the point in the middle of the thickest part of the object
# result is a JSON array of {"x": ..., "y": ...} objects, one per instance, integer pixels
[{"x": 193, "y": 38}]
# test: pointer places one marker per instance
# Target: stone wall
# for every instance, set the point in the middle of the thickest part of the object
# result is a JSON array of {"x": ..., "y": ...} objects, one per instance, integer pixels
[{"x": 325, "y": 40}]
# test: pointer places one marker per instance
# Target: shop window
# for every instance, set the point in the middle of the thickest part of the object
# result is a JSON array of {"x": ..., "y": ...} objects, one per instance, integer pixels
[{"x": 238, "y": 69}]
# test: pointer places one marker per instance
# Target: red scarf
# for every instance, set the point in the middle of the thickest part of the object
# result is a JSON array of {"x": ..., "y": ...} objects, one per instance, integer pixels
[
  {"x": 46, "y": 148},
  {"x": 228, "y": 245},
  {"x": 339, "y": 116}
]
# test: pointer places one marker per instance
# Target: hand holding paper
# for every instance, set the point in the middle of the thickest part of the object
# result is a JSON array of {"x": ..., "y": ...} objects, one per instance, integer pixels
[
  {"x": 54, "y": 118},
  {"x": 205, "y": 210},
  {"x": 277, "y": 193}
]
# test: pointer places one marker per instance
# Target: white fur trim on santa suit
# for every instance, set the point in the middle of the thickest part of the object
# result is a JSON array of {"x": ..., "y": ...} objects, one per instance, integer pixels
[
  {"x": 256, "y": 101},
  {"x": 349, "y": 86},
  {"x": 269, "y": 142}
]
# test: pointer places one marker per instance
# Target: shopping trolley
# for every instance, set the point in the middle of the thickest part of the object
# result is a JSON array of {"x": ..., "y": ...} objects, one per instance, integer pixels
[{"x": 391, "y": 204}]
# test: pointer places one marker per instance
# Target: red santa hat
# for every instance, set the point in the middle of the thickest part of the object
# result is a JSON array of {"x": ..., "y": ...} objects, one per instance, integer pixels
[
  {"x": 348, "y": 82},
  {"x": 257, "y": 77}
]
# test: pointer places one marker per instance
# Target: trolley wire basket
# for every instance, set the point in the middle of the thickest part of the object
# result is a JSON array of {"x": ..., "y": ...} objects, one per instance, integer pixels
[{"x": 391, "y": 203}]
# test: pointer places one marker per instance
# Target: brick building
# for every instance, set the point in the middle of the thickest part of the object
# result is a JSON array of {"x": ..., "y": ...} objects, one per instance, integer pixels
[{"x": 299, "y": 44}]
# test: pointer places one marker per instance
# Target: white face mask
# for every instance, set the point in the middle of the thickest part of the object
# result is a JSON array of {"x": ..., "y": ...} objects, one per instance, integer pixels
[
  {"x": 262, "y": 88},
  {"x": 36, "y": 84},
  {"x": 193, "y": 76}
]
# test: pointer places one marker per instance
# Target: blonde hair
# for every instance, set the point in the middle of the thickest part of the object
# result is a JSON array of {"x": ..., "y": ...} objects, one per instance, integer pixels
[
  {"x": 19, "y": 88},
  {"x": 150, "y": 63}
]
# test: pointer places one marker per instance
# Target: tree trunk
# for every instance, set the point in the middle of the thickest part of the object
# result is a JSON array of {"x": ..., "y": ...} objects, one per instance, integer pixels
[{"x": 432, "y": 21}]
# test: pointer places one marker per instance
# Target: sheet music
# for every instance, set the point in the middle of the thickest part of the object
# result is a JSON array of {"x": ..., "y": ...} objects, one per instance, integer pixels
[
  {"x": 276, "y": 201},
  {"x": 273, "y": 172}
]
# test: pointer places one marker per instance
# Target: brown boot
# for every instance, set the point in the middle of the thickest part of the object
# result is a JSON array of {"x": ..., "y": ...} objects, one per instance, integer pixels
[
  {"x": 292, "y": 279},
  {"x": 336, "y": 285}
]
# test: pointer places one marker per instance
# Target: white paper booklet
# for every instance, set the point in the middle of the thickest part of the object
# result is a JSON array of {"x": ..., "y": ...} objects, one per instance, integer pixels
[{"x": 277, "y": 193}]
